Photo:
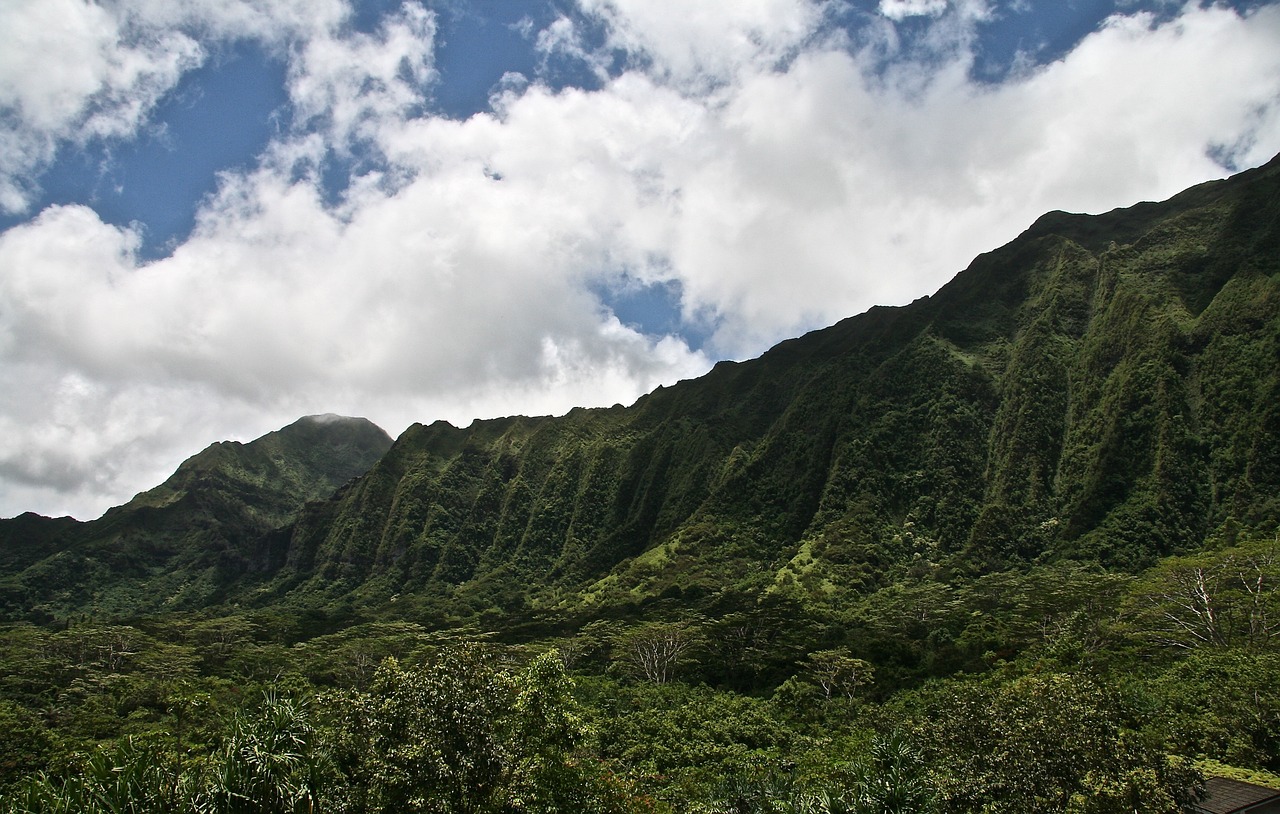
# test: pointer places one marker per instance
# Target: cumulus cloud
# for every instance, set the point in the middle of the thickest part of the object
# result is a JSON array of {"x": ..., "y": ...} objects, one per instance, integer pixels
[
  {"x": 799, "y": 195},
  {"x": 701, "y": 45},
  {"x": 355, "y": 85},
  {"x": 101, "y": 83},
  {"x": 72, "y": 70},
  {"x": 779, "y": 173},
  {"x": 75, "y": 444},
  {"x": 902, "y": 9}
]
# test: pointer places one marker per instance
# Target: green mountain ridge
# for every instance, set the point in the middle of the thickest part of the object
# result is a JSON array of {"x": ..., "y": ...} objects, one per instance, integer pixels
[
  {"x": 1102, "y": 388},
  {"x": 184, "y": 542},
  {"x": 1012, "y": 547}
]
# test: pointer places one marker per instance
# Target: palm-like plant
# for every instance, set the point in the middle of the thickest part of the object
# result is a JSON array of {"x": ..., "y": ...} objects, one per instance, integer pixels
[
  {"x": 893, "y": 781},
  {"x": 269, "y": 762},
  {"x": 127, "y": 778}
]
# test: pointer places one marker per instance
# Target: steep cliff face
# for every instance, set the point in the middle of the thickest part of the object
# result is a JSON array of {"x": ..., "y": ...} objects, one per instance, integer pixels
[{"x": 1104, "y": 387}]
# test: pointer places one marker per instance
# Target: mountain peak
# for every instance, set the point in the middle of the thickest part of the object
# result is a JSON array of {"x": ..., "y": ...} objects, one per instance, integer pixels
[{"x": 334, "y": 418}]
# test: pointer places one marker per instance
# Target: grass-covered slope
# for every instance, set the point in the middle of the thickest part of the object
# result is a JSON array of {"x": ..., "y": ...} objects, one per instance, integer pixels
[
  {"x": 183, "y": 543},
  {"x": 1103, "y": 387}
]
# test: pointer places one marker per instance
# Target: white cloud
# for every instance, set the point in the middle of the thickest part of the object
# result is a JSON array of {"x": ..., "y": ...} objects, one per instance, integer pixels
[
  {"x": 700, "y": 45},
  {"x": 785, "y": 177},
  {"x": 72, "y": 70},
  {"x": 358, "y": 83},
  {"x": 902, "y": 9},
  {"x": 275, "y": 23},
  {"x": 437, "y": 301},
  {"x": 72, "y": 444},
  {"x": 800, "y": 196},
  {"x": 899, "y": 10}
]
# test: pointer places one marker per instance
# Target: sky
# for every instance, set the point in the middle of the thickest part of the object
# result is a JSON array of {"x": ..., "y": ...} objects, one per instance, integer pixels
[{"x": 217, "y": 216}]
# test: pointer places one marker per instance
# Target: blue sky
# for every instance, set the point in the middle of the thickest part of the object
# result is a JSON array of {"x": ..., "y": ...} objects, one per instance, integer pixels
[
  {"x": 223, "y": 113},
  {"x": 218, "y": 216}
]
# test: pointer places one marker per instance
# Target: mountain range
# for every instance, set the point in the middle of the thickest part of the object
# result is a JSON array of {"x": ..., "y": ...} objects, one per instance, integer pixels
[{"x": 1103, "y": 388}]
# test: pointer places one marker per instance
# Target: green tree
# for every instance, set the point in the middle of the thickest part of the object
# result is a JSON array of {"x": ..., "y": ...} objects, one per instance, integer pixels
[
  {"x": 1215, "y": 599},
  {"x": 26, "y": 744},
  {"x": 839, "y": 673},
  {"x": 553, "y": 772},
  {"x": 1223, "y": 704},
  {"x": 427, "y": 739},
  {"x": 459, "y": 736},
  {"x": 1044, "y": 743},
  {"x": 655, "y": 651}
]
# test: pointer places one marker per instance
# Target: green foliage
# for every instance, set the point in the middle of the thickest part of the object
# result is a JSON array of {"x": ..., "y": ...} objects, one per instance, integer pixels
[
  {"x": 1221, "y": 704},
  {"x": 26, "y": 744},
  {"x": 1029, "y": 520},
  {"x": 131, "y": 777},
  {"x": 1259, "y": 777},
  {"x": 425, "y": 740},
  {"x": 684, "y": 741},
  {"x": 271, "y": 762},
  {"x": 893, "y": 780},
  {"x": 839, "y": 673},
  {"x": 657, "y": 651},
  {"x": 1044, "y": 743},
  {"x": 459, "y": 735},
  {"x": 1216, "y": 599},
  {"x": 935, "y": 626}
]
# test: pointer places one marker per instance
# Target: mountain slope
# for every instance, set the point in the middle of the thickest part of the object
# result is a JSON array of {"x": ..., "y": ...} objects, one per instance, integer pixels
[
  {"x": 1104, "y": 387},
  {"x": 181, "y": 544}
]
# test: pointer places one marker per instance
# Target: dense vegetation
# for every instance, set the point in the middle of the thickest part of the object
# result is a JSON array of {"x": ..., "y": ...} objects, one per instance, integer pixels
[
  {"x": 1011, "y": 548},
  {"x": 1057, "y": 688},
  {"x": 185, "y": 543}
]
